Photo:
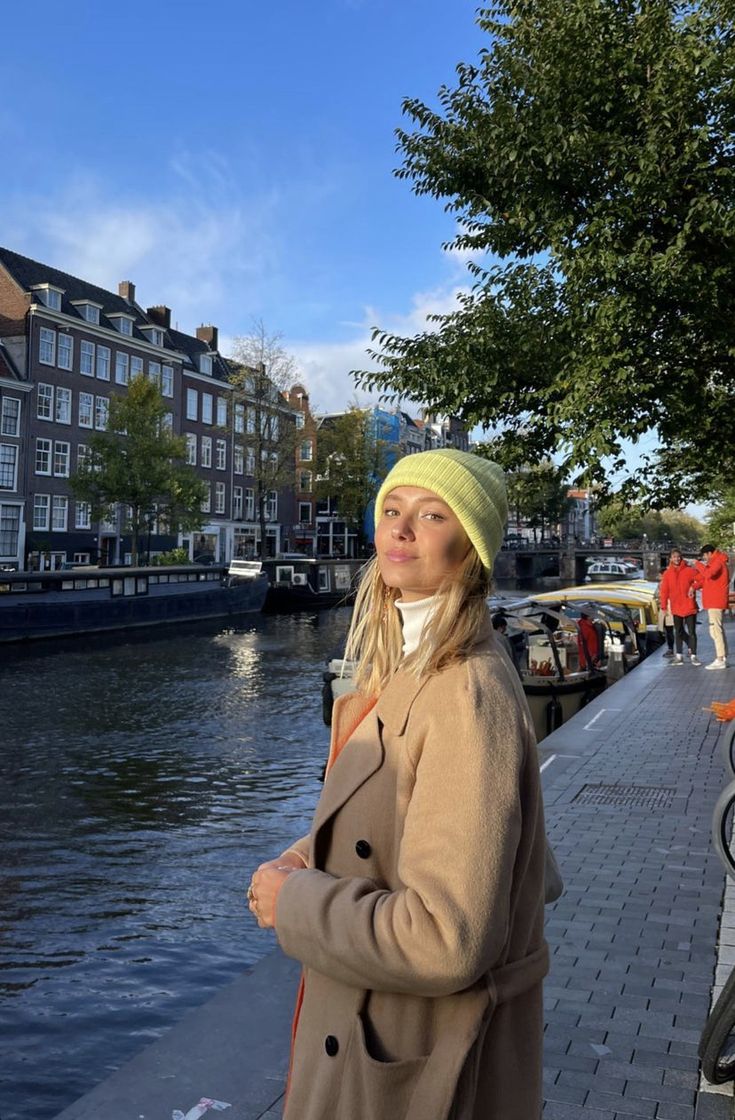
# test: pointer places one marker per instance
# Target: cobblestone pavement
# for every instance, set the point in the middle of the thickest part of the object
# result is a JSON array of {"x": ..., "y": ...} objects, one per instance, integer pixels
[{"x": 635, "y": 936}]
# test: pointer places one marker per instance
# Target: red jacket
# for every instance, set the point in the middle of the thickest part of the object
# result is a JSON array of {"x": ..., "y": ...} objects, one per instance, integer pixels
[
  {"x": 588, "y": 643},
  {"x": 675, "y": 587},
  {"x": 714, "y": 580}
]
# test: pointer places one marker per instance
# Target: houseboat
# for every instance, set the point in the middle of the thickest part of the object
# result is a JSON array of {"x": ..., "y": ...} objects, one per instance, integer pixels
[
  {"x": 303, "y": 583},
  {"x": 85, "y": 600}
]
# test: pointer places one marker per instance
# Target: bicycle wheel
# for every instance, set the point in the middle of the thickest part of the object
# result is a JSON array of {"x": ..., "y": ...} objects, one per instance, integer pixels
[
  {"x": 717, "y": 1043},
  {"x": 723, "y": 819},
  {"x": 728, "y": 748}
]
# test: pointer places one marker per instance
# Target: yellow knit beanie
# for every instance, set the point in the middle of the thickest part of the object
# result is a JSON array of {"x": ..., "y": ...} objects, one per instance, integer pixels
[{"x": 474, "y": 489}]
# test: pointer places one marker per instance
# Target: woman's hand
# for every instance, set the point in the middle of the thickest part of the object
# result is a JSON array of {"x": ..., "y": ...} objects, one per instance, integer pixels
[{"x": 267, "y": 882}]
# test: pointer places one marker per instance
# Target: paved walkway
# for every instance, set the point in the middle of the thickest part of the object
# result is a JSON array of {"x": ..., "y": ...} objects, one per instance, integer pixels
[{"x": 629, "y": 786}]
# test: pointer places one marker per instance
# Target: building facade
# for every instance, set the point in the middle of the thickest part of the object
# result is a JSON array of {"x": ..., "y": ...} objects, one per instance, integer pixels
[{"x": 66, "y": 347}]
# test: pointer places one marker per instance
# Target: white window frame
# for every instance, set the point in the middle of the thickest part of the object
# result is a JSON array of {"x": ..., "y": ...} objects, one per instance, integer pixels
[
  {"x": 237, "y": 502},
  {"x": 82, "y": 515},
  {"x": 207, "y": 500},
  {"x": 62, "y": 458},
  {"x": 154, "y": 373},
  {"x": 88, "y": 311},
  {"x": 239, "y": 422},
  {"x": 44, "y": 401},
  {"x": 101, "y": 413},
  {"x": 306, "y": 451},
  {"x": 239, "y": 460},
  {"x": 86, "y": 358},
  {"x": 249, "y": 504},
  {"x": 47, "y": 346},
  {"x": 85, "y": 410},
  {"x": 11, "y": 451},
  {"x": 50, "y": 297},
  {"x": 205, "y": 364},
  {"x": 221, "y": 412},
  {"x": 207, "y": 408},
  {"x": 192, "y": 404},
  {"x": 309, "y": 476},
  {"x": 59, "y": 502},
  {"x": 65, "y": 347},
  {"x": 220, "y": 497},
  {"x": 136, "y": 366},
  {"x": 44, "y": 453},
  {"x": 83, "y": 455},
  {"x": 305, "y": 507},
  {"x": 6, "y": 415},
  {"x": 191, "y": 449},
  {"x": 271, "y": 506},
  {"x": 300, "y": 420},
  {"x": 63, "y": 405},
  {"x": 41, "y": 512},
  {"x": 205, "y": 451},
  {"x": 122, "y": 368},
  {"x": 104, "y": 362},
  {"x": 249, "y": 461},
  {"x": 167, "y": 381},
  {"x": 220, "y": 460}
]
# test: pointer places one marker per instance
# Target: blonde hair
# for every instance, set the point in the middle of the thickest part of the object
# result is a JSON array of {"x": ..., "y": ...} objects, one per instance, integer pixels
[{"x": 375, "y": 638}]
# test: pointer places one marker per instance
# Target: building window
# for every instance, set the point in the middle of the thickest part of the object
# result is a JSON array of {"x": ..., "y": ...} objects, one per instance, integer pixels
[
  {"x": 221, "y": 451},
  {"x": 45, "y": 403},
  {"x": 250, "y": 421},
  {"x": 206, "y": 451},
  {"x": 66, "y": 351},
  {"x": 89, "y": 312},
  {"x": 192, "y": 404},
  {"x": 167, "y": 422},
  {"x": 155, "y": 334},
  {"x": 300, "y": 419},
  {"x": 271, "y": 509},
  {"x": 205, "y": 364},
  {"x": 86, "y": 358},
  {"x": 83, "y": 456},
  {"x": 191, "y": 449},
  {"x": 206, "y": 408},
  {"x": 83, "y": 518},
  {"x": 63, "y": 405},
  {"x": 237, "y": 503},
  {"x": 59, "y": 513},
  {"x": 103, "y": 363},
  {"x": 136, "y": 367},
  {"x": 304, "y": 512},
  {"x": 207, "y": 501},
  {"x": 306, "y": 451},
  {"x": 167, "y": 381},
  {"x": 86, "y": 410},
  {"x": 43, "y": 456},
  {"x": 41, "y": 509},
  {"x": 50, "y": 297},
  {"x": 154, "y": 373},
  {"x": 221, "y": 412},
  {"x": 122, "y": 368},
  {"x": 101, "y": 413},
  {"x": 47, "y": 347},
  {"x": 249, "y": 461},
  {"x": 239, "y": 418},
  {"x": 122, "y": 323},
  {"x": 10, "y": 416},
  {"x": 305, "y": 482},
  {"x": 239, "y": 463},
  {"x": 9, "y": 530},
  {"x": 249, "y": 505},
  {"x": 8, "y": 466},
  {"x": 219, "y": 497},
  {"x": 61, "y": 459}
]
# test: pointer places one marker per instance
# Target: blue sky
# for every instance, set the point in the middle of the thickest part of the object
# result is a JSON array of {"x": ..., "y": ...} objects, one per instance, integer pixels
[{"x": 235, "y": 161}]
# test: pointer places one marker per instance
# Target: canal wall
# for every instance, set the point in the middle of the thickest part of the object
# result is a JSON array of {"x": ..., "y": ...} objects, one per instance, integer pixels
[{"x": 636, "y": 938}]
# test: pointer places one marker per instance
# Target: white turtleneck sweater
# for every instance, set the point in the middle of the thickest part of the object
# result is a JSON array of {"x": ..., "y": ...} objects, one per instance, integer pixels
[{"x": 413, "y": 617}]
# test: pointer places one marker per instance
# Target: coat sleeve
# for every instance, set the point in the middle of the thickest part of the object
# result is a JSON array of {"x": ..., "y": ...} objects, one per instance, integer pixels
[{"x": 448, "y": 921}]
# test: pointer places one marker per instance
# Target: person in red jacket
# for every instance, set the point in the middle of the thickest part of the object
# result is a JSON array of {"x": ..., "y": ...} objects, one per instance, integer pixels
[
  {"x": 677, "y": 582},
  {"x": 588, "y": 642},
  {"x": 713, "y": 577}
]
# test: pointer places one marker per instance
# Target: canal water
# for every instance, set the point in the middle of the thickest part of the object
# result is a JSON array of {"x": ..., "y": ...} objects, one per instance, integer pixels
[{"x": 142, "y": 778}]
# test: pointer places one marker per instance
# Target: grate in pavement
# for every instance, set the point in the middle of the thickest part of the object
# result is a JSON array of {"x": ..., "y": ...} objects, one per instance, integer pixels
[{"x": 629, "y": 797}]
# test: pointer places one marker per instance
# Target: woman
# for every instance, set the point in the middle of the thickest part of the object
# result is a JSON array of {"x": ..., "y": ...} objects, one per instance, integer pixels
[
  {"x": 416, "y": 902},
  {"x": 674, "y": 594}
]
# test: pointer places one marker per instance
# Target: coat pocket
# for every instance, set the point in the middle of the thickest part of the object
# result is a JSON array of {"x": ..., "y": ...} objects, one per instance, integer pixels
[{"x": 372, "y": 1089}]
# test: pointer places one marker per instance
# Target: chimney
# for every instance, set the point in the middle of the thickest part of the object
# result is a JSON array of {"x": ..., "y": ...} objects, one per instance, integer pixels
[
  {"x": 208, "y": 334},
  {"x": 160, "y": 315},
  {"x": 126, "y": 290}
]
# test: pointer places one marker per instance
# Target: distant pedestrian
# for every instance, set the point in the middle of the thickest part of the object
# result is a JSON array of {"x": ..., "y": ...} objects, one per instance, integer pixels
[
  {"x": 500, "y": 626},
  {"x": 677, "y": 582},
  {"x": 713, "y": 577},
  {"x": 588, "y": 642}
]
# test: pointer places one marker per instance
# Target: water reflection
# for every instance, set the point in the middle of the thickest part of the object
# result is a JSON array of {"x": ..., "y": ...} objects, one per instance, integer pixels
[{"x": 141, "y": 778}]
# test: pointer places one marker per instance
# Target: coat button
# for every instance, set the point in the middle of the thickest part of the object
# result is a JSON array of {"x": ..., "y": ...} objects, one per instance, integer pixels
[
  {"x": 331, "y": 1045},
  {"x": 363, "y": 849}
]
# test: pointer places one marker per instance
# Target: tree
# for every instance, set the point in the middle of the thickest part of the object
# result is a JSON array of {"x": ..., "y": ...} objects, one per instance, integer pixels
[
  {"x": 138, "y": 463},
  {"x": 262, "y": 372},
  {"x": 624, "y": 522},
  {"x": 351, "y": 464},
  {"x": 538, "y": 496},
  {"x": 588, "y": 158},
  {"x": 721, "y": 521}
]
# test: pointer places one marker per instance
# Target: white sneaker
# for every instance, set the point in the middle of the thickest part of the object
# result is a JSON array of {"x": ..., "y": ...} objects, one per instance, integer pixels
[
  {"x": 677, "y": 659},
  {"x": 718, "y": 663},
  {"x": 695, "y": 660}
]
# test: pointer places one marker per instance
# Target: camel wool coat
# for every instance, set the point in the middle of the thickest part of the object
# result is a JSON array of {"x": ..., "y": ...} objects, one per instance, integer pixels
[{"x": 419, "y": 917}]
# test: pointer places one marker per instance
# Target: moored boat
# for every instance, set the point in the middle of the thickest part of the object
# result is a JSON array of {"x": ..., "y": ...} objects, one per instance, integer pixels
[
  {"x": 299, "y": 583},
  {"x": 86, "y": 599}
]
